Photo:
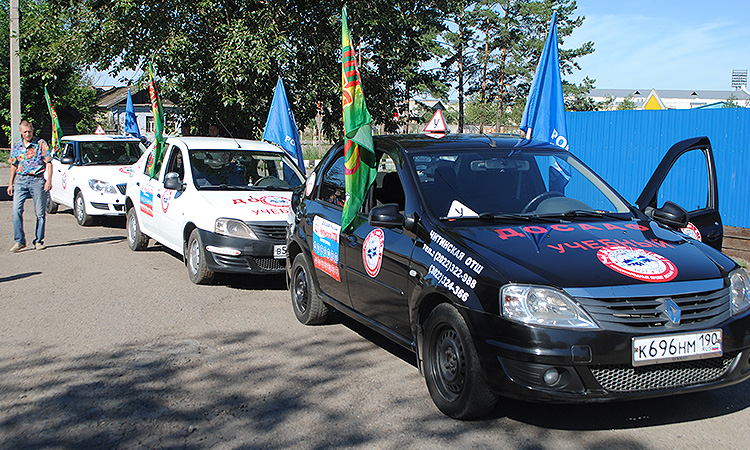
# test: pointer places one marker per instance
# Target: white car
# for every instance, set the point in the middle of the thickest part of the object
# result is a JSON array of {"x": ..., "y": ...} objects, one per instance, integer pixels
[
  {"x": 221, "y": 203},
  {"x": 90, "y": 173}
]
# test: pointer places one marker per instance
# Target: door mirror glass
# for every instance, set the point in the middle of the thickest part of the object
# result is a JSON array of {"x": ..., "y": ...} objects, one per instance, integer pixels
[
  {"x": 670, "y": 214},
  {"x": 386, "y": 216},
  {"x": 67, "y": 160},
  {"x": 172, "y": 181}
]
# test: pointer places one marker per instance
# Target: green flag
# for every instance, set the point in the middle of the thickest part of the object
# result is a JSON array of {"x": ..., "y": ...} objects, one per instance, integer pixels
[
  {"x": 359, "y": 159},
  {"x": 56, "y": 130},
  {"x": 158, "y": 111}
]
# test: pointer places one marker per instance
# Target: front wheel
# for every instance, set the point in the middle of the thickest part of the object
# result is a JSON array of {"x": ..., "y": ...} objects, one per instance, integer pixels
[
  {"x": 452, "y": 370},
  {"x": 196, "y": 260},
  {"x": 308, "y": 307},
  {"x": 79, "y": 210},
  {"x": 136, "y": 239}
]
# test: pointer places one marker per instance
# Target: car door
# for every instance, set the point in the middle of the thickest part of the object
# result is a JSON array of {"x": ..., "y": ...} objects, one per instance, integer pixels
[
  {"x": 377, "y": 259},
  {"x": 169, "y": 203},
  {"x": 687, "y": 176},
  {"x": 62, "y": 189},
  {"x": 322, "y": 223},
  {"x": 145, "y": 196}
]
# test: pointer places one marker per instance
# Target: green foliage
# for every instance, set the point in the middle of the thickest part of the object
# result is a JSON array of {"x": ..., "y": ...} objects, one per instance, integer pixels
[
  {"x": 219, "y": 61},
  {"x": 626, "y": 104},
  {"x": 48, "y": 56},
  {"x": 731, "y": 102}
]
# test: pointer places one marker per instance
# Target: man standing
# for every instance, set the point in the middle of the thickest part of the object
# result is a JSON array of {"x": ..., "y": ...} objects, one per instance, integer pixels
[{"x": 30, "y": 176}]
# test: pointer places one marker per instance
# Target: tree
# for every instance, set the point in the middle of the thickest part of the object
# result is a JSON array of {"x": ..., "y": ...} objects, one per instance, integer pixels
[
  {"x": 219, "y": 61},
  {"x": 731, "y": 102},
  {"x": 45, "y": 59},
  {"x": 626, "y": 104}
]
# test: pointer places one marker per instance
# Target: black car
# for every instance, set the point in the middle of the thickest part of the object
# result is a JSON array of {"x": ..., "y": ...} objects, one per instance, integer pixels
[{"x": 507, "y": 277}]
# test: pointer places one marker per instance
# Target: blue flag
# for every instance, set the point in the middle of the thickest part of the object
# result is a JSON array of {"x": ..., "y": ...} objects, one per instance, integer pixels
[
  {"x": 131, "y": 123},
  {"x": 544, "y": 115},
  {"x": 281, "y": 128}
]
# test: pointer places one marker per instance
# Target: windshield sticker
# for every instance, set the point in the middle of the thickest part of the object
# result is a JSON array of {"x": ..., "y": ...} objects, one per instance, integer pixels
[
  {"x": 165, "y": 198},
  {"x": 638, "y": 263},
  {"x": 326, "y": 246},
  {"x": 310, "y": 184},
  {"x": 147, "y": 201},
  {"x": 692, "y": 231},
  {"x": 372, "y": 252},
  {"x": 458, "y": 209}
]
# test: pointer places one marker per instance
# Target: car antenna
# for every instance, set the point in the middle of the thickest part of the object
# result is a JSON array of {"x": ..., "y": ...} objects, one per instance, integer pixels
[
  {"x": 228, "y": 132},
  {"x": 493, "y": 144}
]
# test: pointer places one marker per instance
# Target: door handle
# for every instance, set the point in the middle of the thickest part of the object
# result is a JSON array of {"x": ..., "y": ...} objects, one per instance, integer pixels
[
  {"x": 352, "y": 240},
  {"x": 713, "y": 235},
  {"x": 158, "y": 195}
]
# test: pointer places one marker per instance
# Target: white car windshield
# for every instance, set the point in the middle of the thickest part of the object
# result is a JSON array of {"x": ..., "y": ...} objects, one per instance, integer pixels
[
  {"x": 109, "y": 153},
  {"x": 238, "y": 169}
]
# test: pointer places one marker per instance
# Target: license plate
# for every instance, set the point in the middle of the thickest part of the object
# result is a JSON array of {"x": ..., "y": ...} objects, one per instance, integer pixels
[
  {"x": 677, "y": 347},
  {"x": 279, "y": 251}
]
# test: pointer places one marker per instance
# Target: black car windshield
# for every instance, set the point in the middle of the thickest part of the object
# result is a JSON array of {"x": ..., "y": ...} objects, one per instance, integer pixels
[
  {"x": 497, "y": 183},
  {"x": 242, "y": 169},
  {"x": 109, "y": 152}
]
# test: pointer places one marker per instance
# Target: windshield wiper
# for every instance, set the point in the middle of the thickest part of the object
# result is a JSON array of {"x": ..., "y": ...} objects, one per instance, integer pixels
[
  {"x": 504, "y": 217},
  {"x": 586, "y": 213}
]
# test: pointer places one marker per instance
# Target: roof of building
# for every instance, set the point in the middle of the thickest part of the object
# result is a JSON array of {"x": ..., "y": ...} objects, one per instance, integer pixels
[
  {"x": 109, "y": 98},
  {"x": 670, "y": 93}
]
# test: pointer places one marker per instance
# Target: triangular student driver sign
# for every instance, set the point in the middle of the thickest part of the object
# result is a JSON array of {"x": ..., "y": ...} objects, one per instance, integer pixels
[{"x": 436, "y": 127}]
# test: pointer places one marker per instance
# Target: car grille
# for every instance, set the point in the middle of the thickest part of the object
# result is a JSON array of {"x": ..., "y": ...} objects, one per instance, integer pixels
[
  {"x": 638, "y": 379},
  {"x": 122, "y": 188},
  {"x": 627, "y": 314},
  {"x": 273, "y": 231},
  {"x": 270, "y": 263}
]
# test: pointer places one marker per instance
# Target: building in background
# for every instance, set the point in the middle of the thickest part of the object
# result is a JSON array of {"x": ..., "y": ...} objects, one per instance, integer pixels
[
  {"x": 672, "y": 99},
  {"x": 112, "y": 101}
]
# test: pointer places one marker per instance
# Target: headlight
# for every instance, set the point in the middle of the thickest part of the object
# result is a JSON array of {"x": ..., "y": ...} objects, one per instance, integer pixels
[
  {"x": 739, "y": 291},
  {"x": 538, "y": 305},
  {"x": 234, "y": 228},
  {"x": 102, "y": 186}
]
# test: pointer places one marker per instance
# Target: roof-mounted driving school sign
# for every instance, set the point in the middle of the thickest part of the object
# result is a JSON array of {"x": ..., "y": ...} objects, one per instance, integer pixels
[{"x": 436, "y": 127}]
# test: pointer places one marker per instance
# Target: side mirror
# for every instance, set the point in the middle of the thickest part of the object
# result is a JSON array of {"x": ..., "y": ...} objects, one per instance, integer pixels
[
  {"x": 67, "y": 160},
  {"x": 671, "y": 215},
  {"x": 386, "y": 216},
  {"x": 172, "y": 181}
]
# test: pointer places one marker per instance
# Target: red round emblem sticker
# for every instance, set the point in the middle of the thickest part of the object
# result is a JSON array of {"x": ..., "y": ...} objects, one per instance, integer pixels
[
  {"x": 692, "y": 231},
  {"x": 372, "y": 251},
  {"x": 638, "y": 263}
]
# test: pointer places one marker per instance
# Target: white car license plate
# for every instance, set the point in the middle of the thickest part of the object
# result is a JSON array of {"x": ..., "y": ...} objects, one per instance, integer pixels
[
  {"x": 279, "y": 251},
  {"x": 677, "y": 347}
]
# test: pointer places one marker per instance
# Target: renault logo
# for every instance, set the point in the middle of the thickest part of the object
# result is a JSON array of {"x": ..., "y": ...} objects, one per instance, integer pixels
[{"x": 672, "y": 311}]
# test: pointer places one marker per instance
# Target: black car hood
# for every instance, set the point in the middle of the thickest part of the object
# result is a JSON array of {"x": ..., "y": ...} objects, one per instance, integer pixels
[{"x": 587, "y": 254}]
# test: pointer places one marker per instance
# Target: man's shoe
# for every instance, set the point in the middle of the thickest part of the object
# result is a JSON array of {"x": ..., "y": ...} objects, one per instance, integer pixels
[
  {"x": 39, "y": 246},
  {"x": 17, "y": 247}
]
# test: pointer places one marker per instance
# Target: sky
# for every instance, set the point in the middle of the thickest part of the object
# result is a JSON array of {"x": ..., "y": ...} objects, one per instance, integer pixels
[{"x": 662, "y": 44}]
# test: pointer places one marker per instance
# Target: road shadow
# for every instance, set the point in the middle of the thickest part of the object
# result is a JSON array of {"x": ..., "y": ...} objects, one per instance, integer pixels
[
  {"x": 98, "y": 240},
  {"x": 19, "y": 276},
  {"x": 117, "y": 222}
]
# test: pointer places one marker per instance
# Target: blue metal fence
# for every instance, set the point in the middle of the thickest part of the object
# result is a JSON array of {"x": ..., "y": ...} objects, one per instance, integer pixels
[{"x": 625, "y": 147}]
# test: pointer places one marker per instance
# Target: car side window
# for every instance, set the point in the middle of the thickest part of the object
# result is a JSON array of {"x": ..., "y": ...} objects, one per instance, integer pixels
[
  {"x": 175, "y": 163},
  {"x": 388, "y": 187},
  {"x": 690, "y": 169},
  {"x": 68, "y": 150},
  {"x": 333, "y": 187}
]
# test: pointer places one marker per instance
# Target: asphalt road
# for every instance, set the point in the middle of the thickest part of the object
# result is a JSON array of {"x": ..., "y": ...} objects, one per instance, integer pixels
[{"x": 101, "y": 347}]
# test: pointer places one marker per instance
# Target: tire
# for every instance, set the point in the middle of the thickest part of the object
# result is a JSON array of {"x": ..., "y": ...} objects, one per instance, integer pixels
[
  {"x": 136, "y": 240},
  {"x": 51, "y": 207},
  {"x": 195, "y": 260},
  {"x": 451, "y": 366},
  {"x": 79, "y": 211},
  {"x": 306, "y": 302}
]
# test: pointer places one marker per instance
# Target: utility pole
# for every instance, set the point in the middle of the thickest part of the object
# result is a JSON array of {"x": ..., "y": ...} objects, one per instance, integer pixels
[{"x": 15, "y": 75}]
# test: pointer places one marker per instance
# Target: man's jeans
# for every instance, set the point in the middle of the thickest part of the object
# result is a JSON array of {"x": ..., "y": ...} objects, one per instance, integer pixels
[{"x": 24, "y": 188}]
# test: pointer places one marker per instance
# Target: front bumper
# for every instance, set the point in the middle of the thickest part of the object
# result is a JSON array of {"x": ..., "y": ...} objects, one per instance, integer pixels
[
  {"x": 596, "y": 365},
  {"x": 105, "y": 204},
  {"x": 255, "y": 256}
]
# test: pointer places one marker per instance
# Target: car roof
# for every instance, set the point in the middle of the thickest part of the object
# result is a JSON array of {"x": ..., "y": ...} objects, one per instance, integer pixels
[
  {"x": 421, "y": 142},
  {"x": 99, "y": 138},
  {"x": 216, "y": 143}
]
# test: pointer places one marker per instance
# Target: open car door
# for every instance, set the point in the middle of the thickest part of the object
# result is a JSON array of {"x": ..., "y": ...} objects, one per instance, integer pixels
[{"x": 687, "y": 176}]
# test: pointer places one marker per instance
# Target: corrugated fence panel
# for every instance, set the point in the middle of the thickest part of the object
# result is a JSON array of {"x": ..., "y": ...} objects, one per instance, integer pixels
[{"x": 625, "y": 147}]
